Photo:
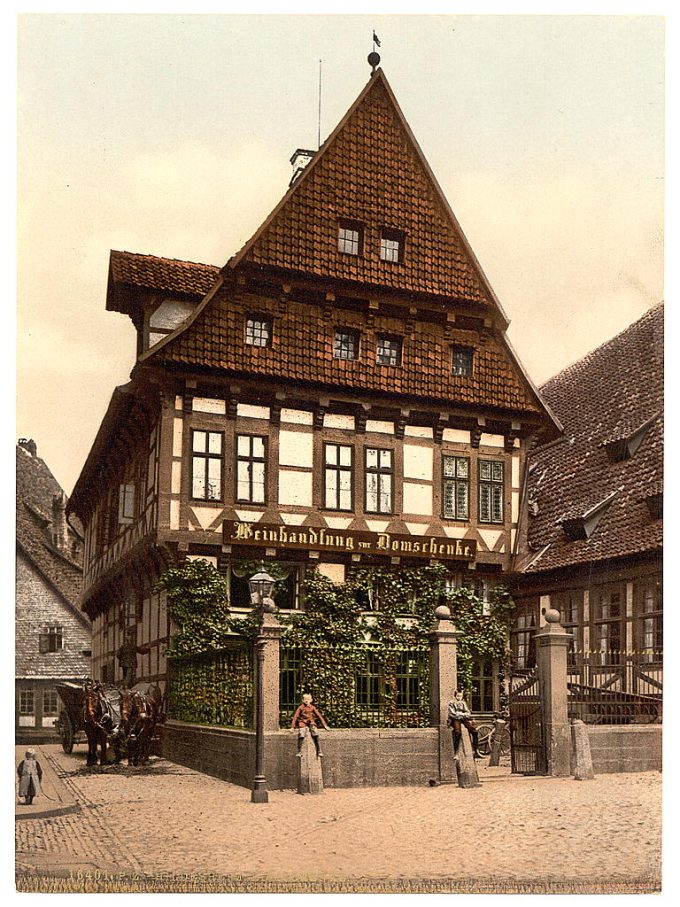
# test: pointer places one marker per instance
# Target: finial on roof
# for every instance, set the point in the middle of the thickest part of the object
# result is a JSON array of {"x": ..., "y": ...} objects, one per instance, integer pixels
[{"x": 374, "y": 56}]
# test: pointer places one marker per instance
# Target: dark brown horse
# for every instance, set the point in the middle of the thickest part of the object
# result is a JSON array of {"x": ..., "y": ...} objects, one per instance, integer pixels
[
  {"x": 99, "y": 721},
  {"x": 140, "y": 710}
]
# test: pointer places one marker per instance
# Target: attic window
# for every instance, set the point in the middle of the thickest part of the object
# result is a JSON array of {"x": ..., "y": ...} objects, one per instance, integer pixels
[
  {"x": 461, "y": 361},
  {"x": 392, "y": 245},
  {"x": 582, "y": 526},
  {"x": 51, "y": 640},
  {"x": 624, "y": 445},
  {"x": 346, "y": 344},
  {"x": 258, "y": 331},
  {"x": 388, "y": 350},
  {"x": 350, "y": 238}
]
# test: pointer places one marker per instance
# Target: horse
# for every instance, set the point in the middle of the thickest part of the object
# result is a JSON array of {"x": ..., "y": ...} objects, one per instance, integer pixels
[
  {"x": 99, "y": 721},
  {"x": 140, "y": 710}
]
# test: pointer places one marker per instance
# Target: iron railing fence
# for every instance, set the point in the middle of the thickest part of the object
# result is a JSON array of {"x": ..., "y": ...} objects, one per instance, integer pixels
[
  {"x": 214, "y": 688},
  {"x": 365, "y": 686},
  {"x": 614, "y": 688}
]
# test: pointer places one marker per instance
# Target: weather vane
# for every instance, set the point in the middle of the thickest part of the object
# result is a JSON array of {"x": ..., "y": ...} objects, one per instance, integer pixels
[{"x": 374, "y": 56}]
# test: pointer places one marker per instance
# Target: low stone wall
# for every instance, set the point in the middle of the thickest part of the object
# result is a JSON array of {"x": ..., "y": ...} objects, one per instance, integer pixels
[
  {"x": 625, "y": 748},
  {"x": 356, "y": 757}
]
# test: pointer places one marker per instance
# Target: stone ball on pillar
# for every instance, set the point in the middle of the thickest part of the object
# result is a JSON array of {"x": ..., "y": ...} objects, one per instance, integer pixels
[
  {"x": 268, "y": 605},
  {"x": 442, "y": 612},
  {"x": 552, "y": 616}
]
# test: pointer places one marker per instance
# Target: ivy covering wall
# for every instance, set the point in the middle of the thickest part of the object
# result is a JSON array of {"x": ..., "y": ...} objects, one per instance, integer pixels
[{"x": 360, "y": 647}]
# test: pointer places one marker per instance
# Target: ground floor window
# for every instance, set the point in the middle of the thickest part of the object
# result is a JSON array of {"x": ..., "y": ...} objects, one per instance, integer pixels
[
  {"x": 50, "y": 703},
  {"x": 522, "y": 635},
  {"x": 483, "y": 683},
  {"x": 27, "y": 702}
]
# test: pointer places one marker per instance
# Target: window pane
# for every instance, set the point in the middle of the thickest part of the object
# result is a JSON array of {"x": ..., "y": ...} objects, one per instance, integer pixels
[
  {"x": 348, "y": 240},
  {"x": 484, "y": 469},
  {"x": 372, "y": 500},
  {"x": 198, "y": 477},
  {"x": 462, "y": 467},
  {"x": 484, "y": 504},
  {"x": 258, "y": 482},
  {"x": 199, "y": 441},
  {"x": 461, "y": 363},
  {"x": 389, "y": 249},
  {"x": 243, "y": 446},
  {"x": 214, "y": 442},
  {"x": 386, "y": 459},
  {"x": 345, "y": 456},
  {"x": 345, "y": 500},
  {"x": 214, "y": 479},
  {"x": 331, "y": 453},
  {"x": 497, "y": 471},
  {"x": 449, "y": 466},
  {"x": 371, "y": 458},
  {"x": 345, "y": 480},
  {"x": 258, "y": 447},
  {"x": 449, "y": 501},
  {"x": 331, "y": 488},
  {"x": 462, "y": 496},
  {"x": 497, "y": 504}
]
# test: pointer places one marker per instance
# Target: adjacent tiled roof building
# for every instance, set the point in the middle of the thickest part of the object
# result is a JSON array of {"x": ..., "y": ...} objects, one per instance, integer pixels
[{"x": 594, "y": 493}]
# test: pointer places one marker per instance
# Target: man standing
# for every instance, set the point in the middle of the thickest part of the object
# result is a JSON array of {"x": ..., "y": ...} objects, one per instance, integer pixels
[{"x": 127, "y": 657}]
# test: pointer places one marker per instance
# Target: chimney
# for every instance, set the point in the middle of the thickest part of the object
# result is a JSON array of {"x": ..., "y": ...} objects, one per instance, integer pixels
[
  {"x": 59, "y": 524},
  {"x": 301, "y": 157},
  {"x": 29, "y": 445}
]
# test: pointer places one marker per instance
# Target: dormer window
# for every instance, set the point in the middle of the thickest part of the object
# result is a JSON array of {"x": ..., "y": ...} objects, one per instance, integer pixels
[
  {"x": 582, "y": 525},
  {"x": 388, "y": 350},
  {"x": 346, "y": 344},
  {"x": 461, "y": 361},
  {"x": 258, "y": 331},
  {"x": 624, "y": 444},
  {"x": 392, "y": 245},
  {"x": 350, "y": 238}
]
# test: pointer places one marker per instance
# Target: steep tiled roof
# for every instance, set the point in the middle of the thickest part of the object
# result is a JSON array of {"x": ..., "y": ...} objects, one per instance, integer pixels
[
  {"x": 36, "y": 487},
  {"x": 302, "y": 350},
  {"x": 371, "y": 170},
  {"x": 609, "y": 394},
  {"x": 153, "y": 273}
]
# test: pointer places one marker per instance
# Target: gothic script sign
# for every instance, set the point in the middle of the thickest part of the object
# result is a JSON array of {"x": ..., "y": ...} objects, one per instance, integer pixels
[{"x": 347, "y": 541}]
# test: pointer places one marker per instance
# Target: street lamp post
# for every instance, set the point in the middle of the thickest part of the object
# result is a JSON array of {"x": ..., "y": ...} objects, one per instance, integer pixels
[{"x": 261, "y": 585}]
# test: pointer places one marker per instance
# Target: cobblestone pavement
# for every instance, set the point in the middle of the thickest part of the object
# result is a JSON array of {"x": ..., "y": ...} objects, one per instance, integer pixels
[{"x": 170, "y": 819}]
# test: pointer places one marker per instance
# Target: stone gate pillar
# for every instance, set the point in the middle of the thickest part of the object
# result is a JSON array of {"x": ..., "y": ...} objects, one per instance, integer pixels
[
  {"x": 552, "y": 643},
  {"x": 443, "y": 682},
  {"x": 270, "y": 639}
]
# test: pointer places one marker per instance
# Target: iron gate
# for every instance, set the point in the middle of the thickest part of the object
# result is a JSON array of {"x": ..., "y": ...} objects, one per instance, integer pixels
[{"x": 527, "y": 742}]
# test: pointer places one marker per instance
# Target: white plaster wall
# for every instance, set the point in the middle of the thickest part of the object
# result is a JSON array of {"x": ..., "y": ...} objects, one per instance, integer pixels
[
  {"x": 177, "y": 428},
  {"x": 515, "y": 471},
  {"x": 418, "y": 463},
  {"x": 206, "y": 516},
  {"x": 295, "y": 488},
  {"x": 297, "y": 416},
  {"x": 334, "y": 572},
  {"x": 252, "y": 412},
  {"x": 418, "y": 431},
  {"x": 457, "y": 435},
  {"x": 417, "y": 499},
  {"x": 384, "y": 428},
  {"x": 174, "y": 514},
  {"x": 332, "y": 420},
  {"x": 296, "y": 448},
  {"x": 492, "y": 440},
  {"x": 176, "y": 480},
  {"x": 514, "y": 507},
  {"x": 208, "y": 405}
]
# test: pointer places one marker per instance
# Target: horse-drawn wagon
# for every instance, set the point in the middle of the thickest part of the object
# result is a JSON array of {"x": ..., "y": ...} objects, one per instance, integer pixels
[{"x": 70, "y": 725}]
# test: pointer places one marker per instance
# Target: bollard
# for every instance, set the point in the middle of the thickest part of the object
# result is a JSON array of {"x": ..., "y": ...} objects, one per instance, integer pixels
[
  {"x": 310, "y": 778},
  {"x": 496, "y": 740},
  {"x": 583, "y": 762},
  {"x": 466, "y": 768}
]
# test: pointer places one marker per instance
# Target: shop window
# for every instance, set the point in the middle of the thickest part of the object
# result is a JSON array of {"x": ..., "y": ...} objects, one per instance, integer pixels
[
  {"x": 250, "y": 468},
  {"x": 490, "y": 491},
  {"x": 379, "y": 480},
  {"x": 338, "y": 476},
  {"x": 456, "y": 488},
  {"x": 206, "y": 465}
]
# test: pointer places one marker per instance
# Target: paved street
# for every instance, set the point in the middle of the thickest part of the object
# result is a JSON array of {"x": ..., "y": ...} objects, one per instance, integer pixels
[{"x": 167, "y": 827}]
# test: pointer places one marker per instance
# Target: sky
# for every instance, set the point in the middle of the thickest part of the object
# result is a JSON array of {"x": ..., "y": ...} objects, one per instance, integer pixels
[{"x": 171, "y": 135}]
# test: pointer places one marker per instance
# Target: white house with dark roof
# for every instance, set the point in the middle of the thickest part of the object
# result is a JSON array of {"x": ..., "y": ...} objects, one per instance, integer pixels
[{"x": 53, "y": 637}]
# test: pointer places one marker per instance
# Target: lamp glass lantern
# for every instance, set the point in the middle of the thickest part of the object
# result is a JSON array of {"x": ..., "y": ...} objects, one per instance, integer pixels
[{"x": 261, "y": 585}]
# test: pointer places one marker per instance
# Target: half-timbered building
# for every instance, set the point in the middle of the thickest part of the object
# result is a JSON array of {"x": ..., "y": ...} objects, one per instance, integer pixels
[
  {"x": 341, "y": 391},
  {"x": 593, "y": 549}
]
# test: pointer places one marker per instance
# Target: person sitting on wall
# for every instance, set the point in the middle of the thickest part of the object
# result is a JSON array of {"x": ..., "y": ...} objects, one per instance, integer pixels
[
  {"x": 304, "y": 720},
  {"x": 30, "y": 773},
  {"x": 459, "y": 716}
]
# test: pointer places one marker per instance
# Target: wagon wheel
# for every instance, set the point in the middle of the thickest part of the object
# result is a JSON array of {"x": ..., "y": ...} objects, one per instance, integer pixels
[
  {"x": 67, "y": 731},
  {"x": 505, "y": 741}
]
